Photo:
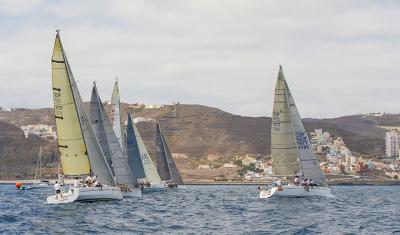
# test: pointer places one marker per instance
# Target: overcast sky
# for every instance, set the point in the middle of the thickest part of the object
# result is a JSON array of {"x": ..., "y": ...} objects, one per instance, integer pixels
[{"x": 339, "y": 57}]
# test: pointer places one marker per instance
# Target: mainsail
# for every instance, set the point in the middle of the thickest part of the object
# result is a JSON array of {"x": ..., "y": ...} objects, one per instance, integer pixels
[
  {"x": 79, "y": 149},
  {"x": 118, "y": 160},
  {"x": 290, "y": 146},
  {"x": 136, "y": 145},
  {"x": 285, "y": 161},
  {"x": 97, "y": 121},
  {"x": 116, "y": 115},
  {"x": 165, "y": 163}
]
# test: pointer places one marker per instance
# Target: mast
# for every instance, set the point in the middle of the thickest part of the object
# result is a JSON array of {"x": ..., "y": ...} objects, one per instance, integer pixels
[
  {"x": 132, "y": 149},
  {"x": 79, "y": 149},
  {"x": 118, "y": 160},
  {"x": 285, "y": 159}
]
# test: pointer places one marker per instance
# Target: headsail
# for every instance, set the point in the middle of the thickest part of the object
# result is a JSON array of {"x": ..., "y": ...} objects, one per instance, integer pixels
[
  {"x": 80, "y": 152},
  {"x": 285, "y": 161},
  {"x": 133, "y": 152},
  {"x": 149, "y": 168},
  {"x": 116, "y": 115},
  {"x": 165, "y": 163},
  {"x": 308, "y": 159},
  {"x": 123, "y": 173}
]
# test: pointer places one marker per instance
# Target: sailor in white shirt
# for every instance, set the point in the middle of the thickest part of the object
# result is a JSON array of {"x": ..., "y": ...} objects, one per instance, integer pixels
[{"x": 57, "y": 187}]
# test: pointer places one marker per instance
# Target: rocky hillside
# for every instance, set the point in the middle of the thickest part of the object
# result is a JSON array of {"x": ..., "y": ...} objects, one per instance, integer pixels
[{"x": 192, "y": 131}]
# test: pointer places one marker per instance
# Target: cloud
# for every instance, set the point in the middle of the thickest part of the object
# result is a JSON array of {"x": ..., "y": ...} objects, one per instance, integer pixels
[{"x": 339, "y": 57}]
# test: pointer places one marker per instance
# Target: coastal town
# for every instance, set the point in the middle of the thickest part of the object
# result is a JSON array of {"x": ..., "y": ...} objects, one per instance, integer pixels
[{"x": 337, "y": 161}]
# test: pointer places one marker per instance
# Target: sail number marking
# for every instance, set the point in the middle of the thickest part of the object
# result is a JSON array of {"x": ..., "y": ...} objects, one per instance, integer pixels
[{"x": 302, "y": 140}]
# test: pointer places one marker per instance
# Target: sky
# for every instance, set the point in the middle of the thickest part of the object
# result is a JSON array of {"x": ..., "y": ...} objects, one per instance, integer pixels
[{"x": 339, "y": 57}]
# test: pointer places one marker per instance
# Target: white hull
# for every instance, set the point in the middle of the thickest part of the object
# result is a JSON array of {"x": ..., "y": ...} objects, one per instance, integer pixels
[
  {"x": 90, "y": 194},
  {"x": 135, "y": 193},
  {"x": 154, "y": 188},
  {"x": 40, "y": 185},
  {"x": 295, "y": 191}
]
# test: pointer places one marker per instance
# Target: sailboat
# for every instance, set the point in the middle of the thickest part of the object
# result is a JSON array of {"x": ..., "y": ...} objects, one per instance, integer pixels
[
  {"x": 291, "y": 151},
  {"x": 140, "y": 161},
  {"x": 79, "y": 149},
  {"x": 38, "y": 182},
  {"x": 165, "y": 163},
  {"x": 111, "y": 147}
]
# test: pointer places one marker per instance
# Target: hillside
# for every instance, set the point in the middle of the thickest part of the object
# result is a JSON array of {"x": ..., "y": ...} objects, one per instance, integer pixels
[{"x": 193, "y": 132}]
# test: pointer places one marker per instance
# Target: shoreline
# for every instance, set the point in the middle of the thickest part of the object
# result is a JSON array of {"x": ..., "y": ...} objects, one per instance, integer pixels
[{"x": 259, "y": 183}]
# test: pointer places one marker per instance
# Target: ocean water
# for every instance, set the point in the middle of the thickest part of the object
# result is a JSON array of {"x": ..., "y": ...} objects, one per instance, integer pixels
[{"x": 206, "y": 210}]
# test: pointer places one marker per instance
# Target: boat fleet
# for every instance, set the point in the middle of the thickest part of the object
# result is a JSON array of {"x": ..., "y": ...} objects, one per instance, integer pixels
[{"x": 92, "y": 143}]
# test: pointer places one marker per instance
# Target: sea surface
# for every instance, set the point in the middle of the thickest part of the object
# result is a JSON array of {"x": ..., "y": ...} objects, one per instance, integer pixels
[{"x": 206, "y": 210}]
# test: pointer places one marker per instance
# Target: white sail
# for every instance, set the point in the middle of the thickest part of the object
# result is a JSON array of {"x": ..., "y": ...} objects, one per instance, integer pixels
[
  {"x": 285, "y": 160},
  {"x": 77, "y": 142},
  {"x": 149, "y": 168},
  {"x": 116, "y": 115},
  {"x": 308, "y": 159}
]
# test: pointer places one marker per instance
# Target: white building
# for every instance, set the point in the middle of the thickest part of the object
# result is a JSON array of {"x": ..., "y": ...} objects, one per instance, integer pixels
[
  {"x": 392, "y": 143},
  {"x": 43, "y": 131}
]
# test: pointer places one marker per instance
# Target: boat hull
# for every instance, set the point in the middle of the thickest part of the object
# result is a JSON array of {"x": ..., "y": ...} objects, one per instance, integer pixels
[
  {"x": 134, "y": 193},
  {"x": 296, "y": 191},
  {"x": 90, "y": 194}
]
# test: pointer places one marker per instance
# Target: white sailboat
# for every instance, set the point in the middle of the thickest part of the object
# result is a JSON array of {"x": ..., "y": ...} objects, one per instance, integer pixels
[
  {"x": 291, "y": 150},
  {"x": 140, "y": 161},
  {"x": 79, "y": 150},
  {"x": 38, "y": 182},
  {"x": 165, "y": 163},
  {"x": 111, "y": 147}
]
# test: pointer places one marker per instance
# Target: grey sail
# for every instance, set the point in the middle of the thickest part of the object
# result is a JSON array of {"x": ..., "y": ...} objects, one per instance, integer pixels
[
  {"x": 161, "y": 159},
  {"x": 150, "y": 169},
  {"x": 97, "y": 160},
  {"x": 285, "y": 160},
  {"x": 167, "y": 163},
  {"x": 132, "y": 149},
  {"x": 98, "y": 123},
  {"x": 308, "y": 159},
  {"x": 175, "y": 176},
  {"x": 122, "y": 171}
]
